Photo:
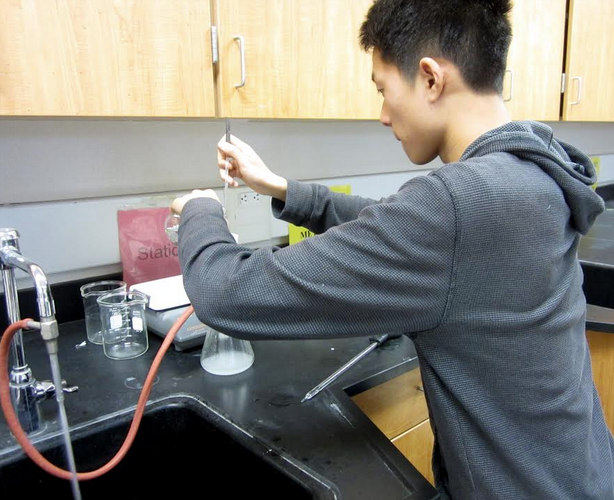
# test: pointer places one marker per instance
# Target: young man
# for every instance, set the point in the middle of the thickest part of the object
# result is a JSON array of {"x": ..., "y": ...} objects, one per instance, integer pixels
[{"x": 476, "y": 262}]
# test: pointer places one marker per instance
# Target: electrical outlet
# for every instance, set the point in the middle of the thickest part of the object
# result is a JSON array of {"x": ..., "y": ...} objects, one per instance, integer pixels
[
  {"x": 250, "y": 199},
  {"x": 249, "y": 214}
]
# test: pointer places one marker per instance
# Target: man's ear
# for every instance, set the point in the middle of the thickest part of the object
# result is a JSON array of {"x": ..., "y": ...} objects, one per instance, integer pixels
[{"x": 433, "y": 78}]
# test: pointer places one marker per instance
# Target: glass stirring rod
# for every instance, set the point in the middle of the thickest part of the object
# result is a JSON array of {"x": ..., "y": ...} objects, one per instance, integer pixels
[
  {"x": 227, "y": 164},
  {"x": 375, "y": 342}
]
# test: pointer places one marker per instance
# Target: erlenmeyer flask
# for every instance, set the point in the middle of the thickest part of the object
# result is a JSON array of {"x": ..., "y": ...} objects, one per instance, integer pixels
[{"x": 224, "y": 355}]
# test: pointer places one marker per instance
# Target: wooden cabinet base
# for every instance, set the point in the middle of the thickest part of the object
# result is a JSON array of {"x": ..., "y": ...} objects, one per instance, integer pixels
[
  {"x": 398, "y": 408},
  {"x": 417, "y": 446},
  {"x": 602, "y": 358}
]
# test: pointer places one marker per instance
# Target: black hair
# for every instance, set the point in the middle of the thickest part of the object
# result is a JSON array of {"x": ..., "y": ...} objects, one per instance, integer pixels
[{"x": 473, "y": 34}]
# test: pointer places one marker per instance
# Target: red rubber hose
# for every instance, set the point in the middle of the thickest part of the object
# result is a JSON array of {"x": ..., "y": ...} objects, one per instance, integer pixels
[{"x": 21, "y": 436}]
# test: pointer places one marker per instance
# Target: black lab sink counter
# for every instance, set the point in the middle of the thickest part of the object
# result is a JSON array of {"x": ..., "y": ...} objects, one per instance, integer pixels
[
  {"x": 328, "y": 435},
  {"x": 335, "y": 443}
]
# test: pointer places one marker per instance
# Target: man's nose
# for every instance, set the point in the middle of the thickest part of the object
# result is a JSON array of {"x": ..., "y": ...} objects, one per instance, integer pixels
[{"x": 384, "y": 118}]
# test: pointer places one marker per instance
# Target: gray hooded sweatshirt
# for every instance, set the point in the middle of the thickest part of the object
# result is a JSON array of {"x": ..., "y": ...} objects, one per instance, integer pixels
[{"x": 475, "y": 262}]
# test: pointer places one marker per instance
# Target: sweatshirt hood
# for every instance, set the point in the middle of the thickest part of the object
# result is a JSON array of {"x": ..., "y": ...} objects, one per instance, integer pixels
[{"x": 569, "y": 167}]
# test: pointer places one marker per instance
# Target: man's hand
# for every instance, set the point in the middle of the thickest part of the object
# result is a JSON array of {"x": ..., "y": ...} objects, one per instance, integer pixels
[
  {"x": 179, "y": 203},
  {"x": 245, "y": 164}
]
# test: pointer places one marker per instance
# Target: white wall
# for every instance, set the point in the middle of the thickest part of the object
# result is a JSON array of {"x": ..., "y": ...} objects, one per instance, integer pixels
[
  {"x": 62, "y": 181},
  {"x": 49, "y": 160}
]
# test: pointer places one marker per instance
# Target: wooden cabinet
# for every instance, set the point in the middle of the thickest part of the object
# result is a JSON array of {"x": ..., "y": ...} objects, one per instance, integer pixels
[
  {"x": 602, "y": 358},
  {"x": 154, "y": 58},
  {"x": 590, "y": 61},
  {"x": 532, "y": 84},
  {"x": 277, "y": 59},
  {"x": 106, "y": 58},
  {"x": 398, "y": 408},
  {"x": 417, "y": 445},
  {"x": 302, "y": 60},
  {"x": 535, "y": 70}
]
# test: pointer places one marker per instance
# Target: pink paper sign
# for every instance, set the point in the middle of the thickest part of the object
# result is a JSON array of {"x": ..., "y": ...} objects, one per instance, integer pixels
[{"x": 145, "y": 250}]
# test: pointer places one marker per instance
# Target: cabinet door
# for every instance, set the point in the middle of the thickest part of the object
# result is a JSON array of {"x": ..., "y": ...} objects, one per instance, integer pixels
[
  {"x": 590, "y": 61},
  {"x": 398, "y": 408},
  {"x": 532, "y": 85},
  {"x": 417, "y": 446},
  {"x": 302, "y": 60},
  {"x": 106, "y": 58},
  {"x": 395, "y": 406},
  {"x": 602, "y": 358}
]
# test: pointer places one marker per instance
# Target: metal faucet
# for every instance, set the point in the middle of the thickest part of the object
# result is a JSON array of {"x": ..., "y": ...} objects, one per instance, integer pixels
[{"x": 26, "y": 392}]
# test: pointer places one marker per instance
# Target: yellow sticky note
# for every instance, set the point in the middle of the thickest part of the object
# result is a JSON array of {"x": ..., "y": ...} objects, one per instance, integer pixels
[
  {"x": 297, "y": 233},
  {"x": 342, "y": 188},
  {"x": 597, "y": 162}
]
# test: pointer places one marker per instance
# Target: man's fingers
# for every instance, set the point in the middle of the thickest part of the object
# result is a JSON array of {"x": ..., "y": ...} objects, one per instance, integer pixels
[
  {"x": 229, "y": 152},
  {"x": 227, "y": 149},
  {"x": 223, "y": 164},
  {"x": 228, "y": 178},
  {"x": 225, "y": 177},
  {"x": 235, "y": 146},
  {"x": 177, "y": 206},
  {"x": 243, "y": 146}
]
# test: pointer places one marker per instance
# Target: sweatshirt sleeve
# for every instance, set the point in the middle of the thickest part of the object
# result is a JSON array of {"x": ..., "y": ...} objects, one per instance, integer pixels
[
  {"x": 318, "y": 208},
  {"x": 387, "y": 271}
]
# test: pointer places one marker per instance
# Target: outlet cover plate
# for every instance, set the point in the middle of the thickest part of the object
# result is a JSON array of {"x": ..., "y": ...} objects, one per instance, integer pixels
[{"x": 249, "y": 214}]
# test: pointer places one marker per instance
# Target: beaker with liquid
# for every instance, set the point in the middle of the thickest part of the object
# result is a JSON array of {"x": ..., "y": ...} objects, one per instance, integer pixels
[{"x": 225, "y": 355}]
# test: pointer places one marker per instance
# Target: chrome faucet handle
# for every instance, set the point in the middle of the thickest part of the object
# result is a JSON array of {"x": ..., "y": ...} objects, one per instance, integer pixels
[
  {"x": 9, "y": 237},
  {"x": 69, "y": 389},
  {"x": 46, "y": 389},
  {"x": 26, "y": 391}
]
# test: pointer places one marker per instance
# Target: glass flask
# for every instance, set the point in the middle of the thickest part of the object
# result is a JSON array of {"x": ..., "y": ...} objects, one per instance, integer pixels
[{"x": 224, "y": 355}]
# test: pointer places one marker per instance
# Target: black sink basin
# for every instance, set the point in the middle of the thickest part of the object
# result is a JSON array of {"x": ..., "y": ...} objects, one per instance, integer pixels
[{"x": 182, "y": 447}]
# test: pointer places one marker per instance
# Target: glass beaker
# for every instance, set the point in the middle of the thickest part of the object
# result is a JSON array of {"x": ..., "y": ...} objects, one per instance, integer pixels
[
  {"x": 224, "y": 355},
  {"x": 171, "y": 227},
  {"x": 124, "y": 326},
  {"x": 90, "y": 293}
]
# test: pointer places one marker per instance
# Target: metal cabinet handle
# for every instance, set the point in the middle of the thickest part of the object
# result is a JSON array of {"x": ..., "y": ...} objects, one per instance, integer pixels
[
  {"x": 242, "y": 51},
  {"x": 579, "y": 80},
  {"x": 511, "y": 72}
]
